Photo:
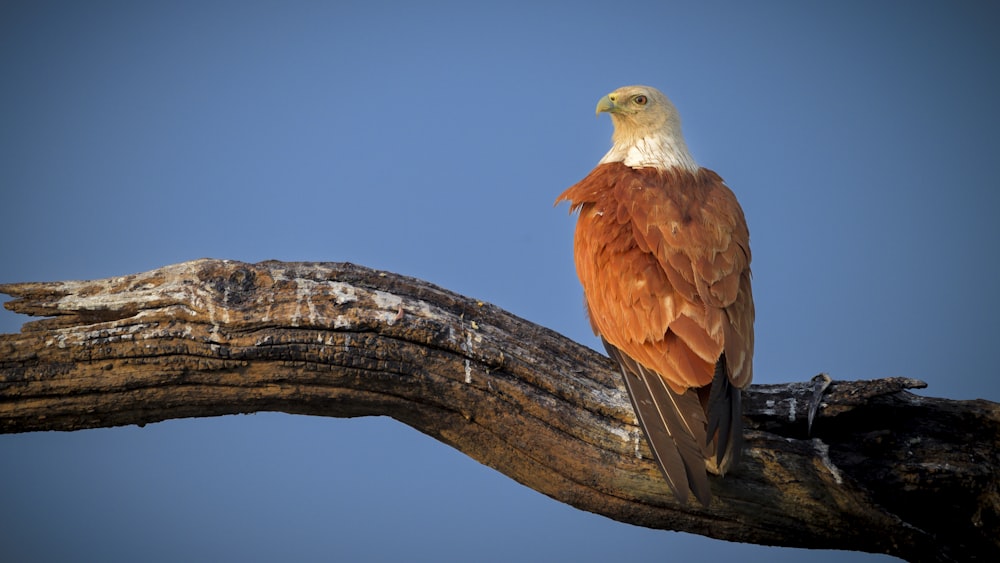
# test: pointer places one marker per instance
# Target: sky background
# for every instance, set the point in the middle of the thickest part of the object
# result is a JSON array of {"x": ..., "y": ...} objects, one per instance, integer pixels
[{"x": 431, "y": 139}]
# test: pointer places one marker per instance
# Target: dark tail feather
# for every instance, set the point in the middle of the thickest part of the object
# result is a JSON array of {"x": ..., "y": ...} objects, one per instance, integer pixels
[
  {"x": 725, "y": 411},
  {"x": 675, "y": 426}
]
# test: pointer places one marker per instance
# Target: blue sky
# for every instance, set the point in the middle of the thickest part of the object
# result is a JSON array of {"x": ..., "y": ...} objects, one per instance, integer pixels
[{"x": 430, "y": 139}]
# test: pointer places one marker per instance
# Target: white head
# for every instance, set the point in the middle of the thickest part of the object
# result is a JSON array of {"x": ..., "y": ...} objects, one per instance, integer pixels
[{"x": 647, "y": 129}]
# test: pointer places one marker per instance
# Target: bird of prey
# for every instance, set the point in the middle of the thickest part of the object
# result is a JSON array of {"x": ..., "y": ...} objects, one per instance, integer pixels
[{"x": 662, "y": 250}]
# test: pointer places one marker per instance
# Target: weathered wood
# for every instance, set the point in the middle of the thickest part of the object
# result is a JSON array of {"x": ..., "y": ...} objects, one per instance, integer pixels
[{"x": 883, "y": 470}]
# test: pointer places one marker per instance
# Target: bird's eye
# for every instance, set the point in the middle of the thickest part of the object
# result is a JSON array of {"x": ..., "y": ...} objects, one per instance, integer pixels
[{"x": 640, "y": 100}]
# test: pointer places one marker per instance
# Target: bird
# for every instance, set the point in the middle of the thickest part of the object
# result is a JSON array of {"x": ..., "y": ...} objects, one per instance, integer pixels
[{"x": 662, "y": 250}]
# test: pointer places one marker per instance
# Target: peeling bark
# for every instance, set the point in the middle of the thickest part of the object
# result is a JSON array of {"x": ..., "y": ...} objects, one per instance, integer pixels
[{"x": 882, "y": 470}]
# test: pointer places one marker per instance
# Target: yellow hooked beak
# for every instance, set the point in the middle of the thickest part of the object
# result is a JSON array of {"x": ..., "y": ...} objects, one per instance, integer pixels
[{"x": 607, "y": 103}]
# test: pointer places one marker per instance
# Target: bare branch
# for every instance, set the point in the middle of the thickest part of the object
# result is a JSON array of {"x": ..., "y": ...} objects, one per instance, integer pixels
[{"x": 882, "y": 471}]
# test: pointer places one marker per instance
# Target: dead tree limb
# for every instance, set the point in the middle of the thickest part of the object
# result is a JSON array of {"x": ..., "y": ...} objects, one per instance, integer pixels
[{"x": 883, "y": 470}]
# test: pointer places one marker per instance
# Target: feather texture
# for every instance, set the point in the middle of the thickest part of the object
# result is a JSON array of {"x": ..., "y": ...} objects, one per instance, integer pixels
[
  {"x": 673, "y": 423},
  {"x": 664, "y": 260}
]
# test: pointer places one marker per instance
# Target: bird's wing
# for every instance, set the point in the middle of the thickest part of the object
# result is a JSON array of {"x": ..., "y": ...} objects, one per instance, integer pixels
[
  {"x": 664, "y": 261},
  {"x": 694, "y": 227}
]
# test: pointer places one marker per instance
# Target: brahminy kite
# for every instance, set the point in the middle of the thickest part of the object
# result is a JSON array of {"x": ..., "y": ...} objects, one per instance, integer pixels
[{"x": 662, "y": 250}]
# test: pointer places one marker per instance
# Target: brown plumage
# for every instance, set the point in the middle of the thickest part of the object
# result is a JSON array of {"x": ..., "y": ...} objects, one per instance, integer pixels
[{"x": 662, "y": 251}]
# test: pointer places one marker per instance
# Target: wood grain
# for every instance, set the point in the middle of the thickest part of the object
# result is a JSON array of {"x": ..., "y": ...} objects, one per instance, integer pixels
[{"x": 883, "y": 470}]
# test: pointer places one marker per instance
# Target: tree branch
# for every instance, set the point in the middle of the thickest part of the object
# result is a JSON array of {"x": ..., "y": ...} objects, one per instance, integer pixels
[{"x": 883, "y": 470}]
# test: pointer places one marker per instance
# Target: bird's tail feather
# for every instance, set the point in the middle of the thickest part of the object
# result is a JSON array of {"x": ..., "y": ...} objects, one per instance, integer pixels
[
  {"x": 725, "y": 411},
  {"x": 674, "y": 424}
]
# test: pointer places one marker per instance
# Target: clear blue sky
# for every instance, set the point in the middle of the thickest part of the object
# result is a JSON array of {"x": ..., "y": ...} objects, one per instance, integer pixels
[{"x": 431, "y": 139}]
